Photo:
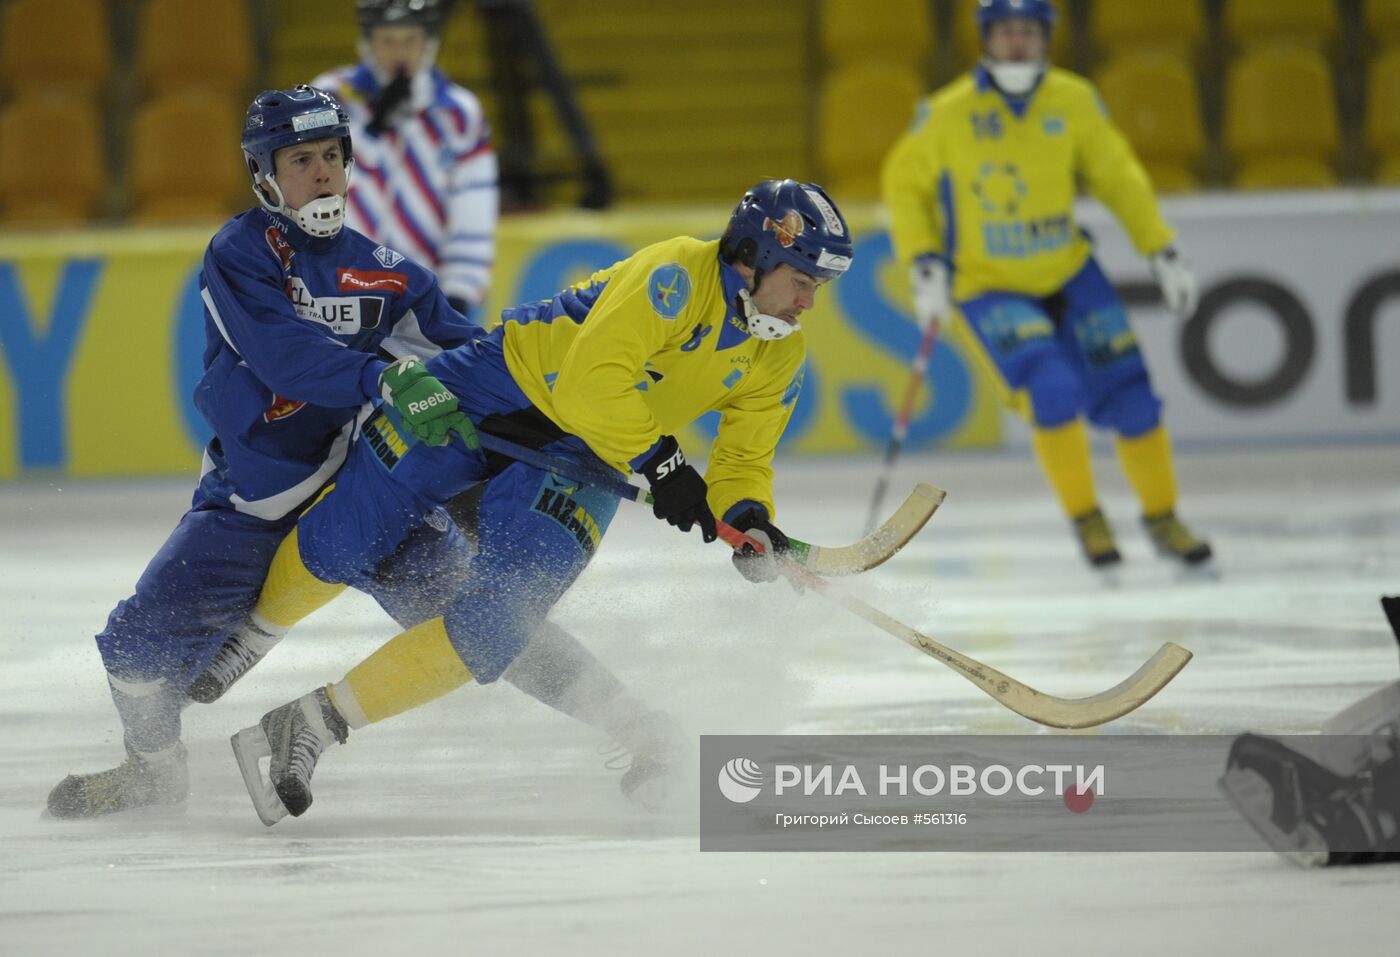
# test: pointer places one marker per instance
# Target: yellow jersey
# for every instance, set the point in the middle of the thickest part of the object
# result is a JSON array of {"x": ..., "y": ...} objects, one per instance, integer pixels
[
  {"x": 989, "y": 183},
  {"x": 647, "y": 346}
]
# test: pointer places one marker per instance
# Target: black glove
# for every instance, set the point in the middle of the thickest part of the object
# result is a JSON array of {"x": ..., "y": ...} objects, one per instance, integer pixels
[
  {"x": 753, "y": 566},
  {"x": 394, "y": 93},
  {"x": 677, "y": 490}
]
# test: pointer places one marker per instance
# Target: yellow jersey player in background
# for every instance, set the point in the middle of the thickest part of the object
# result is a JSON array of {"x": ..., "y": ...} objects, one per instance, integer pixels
[{"x": 981, "y": 197}]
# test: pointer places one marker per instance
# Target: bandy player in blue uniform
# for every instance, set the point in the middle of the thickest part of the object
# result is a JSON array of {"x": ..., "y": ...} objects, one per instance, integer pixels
[
  {"x": 303, "y": 320},
  {"x": 602, "y": 375}
]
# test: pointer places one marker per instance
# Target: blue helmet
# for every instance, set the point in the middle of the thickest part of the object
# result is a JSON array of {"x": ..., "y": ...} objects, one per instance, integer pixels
[
  {"x": 990, "y": 11},
  {"x": 279, "y": 118},
  {"x": 784, "y": 221}
]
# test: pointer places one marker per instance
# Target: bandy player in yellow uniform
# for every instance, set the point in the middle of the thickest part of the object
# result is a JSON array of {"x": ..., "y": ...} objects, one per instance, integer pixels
[
  {"x": 981, "y": 198},
  {"x": 601, "y": 376}
]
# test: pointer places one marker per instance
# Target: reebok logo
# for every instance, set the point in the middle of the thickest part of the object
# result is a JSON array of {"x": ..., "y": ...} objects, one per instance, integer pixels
[{"x": 436, "y": 399}]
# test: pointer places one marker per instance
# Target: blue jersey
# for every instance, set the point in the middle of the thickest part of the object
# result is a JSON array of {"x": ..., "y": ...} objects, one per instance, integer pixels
[{"x": 297, "y": 332}]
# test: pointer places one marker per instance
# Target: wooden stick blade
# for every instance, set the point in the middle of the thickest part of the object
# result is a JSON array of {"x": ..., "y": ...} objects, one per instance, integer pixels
[
  {"x": 1123, "y": 698},
  {"x": 882, "y": 544}
]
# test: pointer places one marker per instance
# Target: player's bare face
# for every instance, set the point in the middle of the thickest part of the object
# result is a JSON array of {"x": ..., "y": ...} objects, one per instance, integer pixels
[
  {"x": 1016, "y": 40},
  {"x": 399, "y": 49},
  {"x": 309, "y": 171},
  {"x": 786, "y": 293}
]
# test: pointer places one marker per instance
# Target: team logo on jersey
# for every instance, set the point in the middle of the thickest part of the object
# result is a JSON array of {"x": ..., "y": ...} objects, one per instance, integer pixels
[
  {"x": 279, "y": 245},
  {"x": 786, "y": 229},
  {"x": 345, "y": 315},
  {"x": 281, "y": 408},
  {"x": 387, "y": 257},
  {"x": 364, "y": 280},
  {"x": 999, "y": 188},
  {"x": 1053, "y": 125},
  {"x": 668, "y": 289}
]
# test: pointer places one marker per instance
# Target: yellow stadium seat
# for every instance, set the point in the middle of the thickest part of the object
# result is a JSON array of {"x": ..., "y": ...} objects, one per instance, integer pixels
[
  {"x": 1383, "y": 117},
  {"x": 969, "y": 40},
  {"x": 167, "y": 184},
  {"x": 51, "y": 163},
  {"x": 1383, "y": 22},
  {"x": 1134, "y": 27},
  {"x": 891, "y": 31},
  {"x": 1281, "y": 119},
  {"x": 208, "y": 44},
  {"x": 51, "y": 44},
  {"x": 1154, "y": 99},
  {"x": 1252, "y": 24},
  {"x": 863, "y": 111},
  {"x": 312, "y": 36}
]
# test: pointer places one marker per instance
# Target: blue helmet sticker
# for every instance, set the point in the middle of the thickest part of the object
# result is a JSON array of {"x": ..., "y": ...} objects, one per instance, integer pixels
[{"x": 668, "y": 289}]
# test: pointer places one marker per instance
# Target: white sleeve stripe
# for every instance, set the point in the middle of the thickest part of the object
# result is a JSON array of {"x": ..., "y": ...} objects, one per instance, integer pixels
[{"x": 218, "y": 320}]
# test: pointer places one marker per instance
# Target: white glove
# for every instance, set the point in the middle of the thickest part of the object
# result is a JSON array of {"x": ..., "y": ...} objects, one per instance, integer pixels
[
  {"x": 930, "y": 280},
  {"x": 1178, "y": 282}
]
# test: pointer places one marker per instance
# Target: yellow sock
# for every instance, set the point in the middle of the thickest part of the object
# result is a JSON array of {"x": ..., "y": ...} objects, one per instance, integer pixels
[
  {"x": 1063, "y": 452},
  {"x": 290, "y": 592},
  {"x": 1147, "y": 462},
  {"x": 411, "y": 669}
]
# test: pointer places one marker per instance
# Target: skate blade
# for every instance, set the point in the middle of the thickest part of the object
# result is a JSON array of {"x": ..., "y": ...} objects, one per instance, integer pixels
[
  {"x": 249, "y": 746},
  {"x": 1252, "y": 796},
  {"x": 654, "y": 796},
  {"x": 1206, "y": 571}
]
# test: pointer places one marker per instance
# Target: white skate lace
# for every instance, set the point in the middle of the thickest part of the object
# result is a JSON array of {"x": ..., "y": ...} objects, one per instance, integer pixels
[
  {"x": 232, "y": 662},
  {"x": 616, "y": 756},
  {"x": 305, "y": 752}
]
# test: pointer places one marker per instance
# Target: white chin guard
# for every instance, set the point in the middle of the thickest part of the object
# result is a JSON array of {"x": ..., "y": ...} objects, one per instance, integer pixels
[
  {"x": 321, "y": 217},
  {"x": 1015, "y": 79},
  {"x": 761, "y": 326}
]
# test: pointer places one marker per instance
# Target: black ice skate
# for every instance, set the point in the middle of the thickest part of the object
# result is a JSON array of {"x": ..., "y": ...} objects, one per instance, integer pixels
[
  {"x": 1172, "y": 539},
  {"x": 292, "y": 737},
  {"x": 244, "y": 648},
  {"x": 1309, "y": 814},
  {"x": 142, "y": 780}
]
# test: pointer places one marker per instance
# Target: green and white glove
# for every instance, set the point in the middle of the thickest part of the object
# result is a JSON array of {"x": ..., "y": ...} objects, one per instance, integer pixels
[{"x": 428, "y": 408}]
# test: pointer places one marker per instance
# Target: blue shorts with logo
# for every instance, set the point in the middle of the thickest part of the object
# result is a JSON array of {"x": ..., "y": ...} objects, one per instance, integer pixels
[
  {"x": 537, "y": 531},
  {"x": 1073, "y": 353}
]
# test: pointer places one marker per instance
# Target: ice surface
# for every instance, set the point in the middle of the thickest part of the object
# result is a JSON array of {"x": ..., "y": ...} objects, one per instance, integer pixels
[{"x": 485, "y": 821}]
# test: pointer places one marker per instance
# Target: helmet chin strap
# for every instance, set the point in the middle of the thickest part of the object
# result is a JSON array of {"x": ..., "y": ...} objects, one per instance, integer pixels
[{"x": 761, "y": 326}]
